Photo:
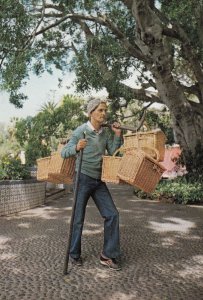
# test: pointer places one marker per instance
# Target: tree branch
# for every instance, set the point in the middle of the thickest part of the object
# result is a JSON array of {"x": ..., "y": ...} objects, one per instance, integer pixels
[
  {"x": 52, "y": 25},
  {"x": 74, "y": 49},
  {"x": 2, "y": 60},
  {"x": 132, "y": 50},
  {"x": 191, "y": 57},
  {"x": 60, "y": 7},
  {"x": 127, "y": 3},
  {"x": 50, "y": 15},
  {"x": 140, "y": 94},
  {"x": 192, "y": 90},
  {"x": 32, "y": 36}
]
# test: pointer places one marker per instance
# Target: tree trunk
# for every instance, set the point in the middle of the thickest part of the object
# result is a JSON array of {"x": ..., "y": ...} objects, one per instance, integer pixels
[
  {"x": 187, "y": 120},
  {"x": 187, "y": 116}
]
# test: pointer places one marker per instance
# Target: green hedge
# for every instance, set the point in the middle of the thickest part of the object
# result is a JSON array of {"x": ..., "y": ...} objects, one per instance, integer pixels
[
  {"x": 12, "y": 169},
  {"x": 178, "y": 190}
]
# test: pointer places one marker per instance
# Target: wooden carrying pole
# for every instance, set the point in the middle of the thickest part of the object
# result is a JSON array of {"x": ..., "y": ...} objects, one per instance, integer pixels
[
  {"x": 76, "y": 188},
  {"x": 126, "y": 127},
  {"x": 123, "y": 127}
]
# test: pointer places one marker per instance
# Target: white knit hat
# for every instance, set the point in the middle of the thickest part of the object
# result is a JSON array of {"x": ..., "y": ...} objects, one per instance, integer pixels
[{"x": 93, "y": 104}]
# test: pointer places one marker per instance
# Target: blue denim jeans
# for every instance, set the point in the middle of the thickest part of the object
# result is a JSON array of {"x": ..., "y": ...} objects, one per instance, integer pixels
[{"x": 97, "y": 189}]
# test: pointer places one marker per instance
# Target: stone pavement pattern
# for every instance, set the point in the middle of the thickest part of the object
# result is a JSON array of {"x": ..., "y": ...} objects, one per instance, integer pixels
[{"x": 162, "y": 247}]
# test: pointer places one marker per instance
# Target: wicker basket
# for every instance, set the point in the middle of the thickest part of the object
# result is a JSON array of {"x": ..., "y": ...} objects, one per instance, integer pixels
[
  {"x": 60, "y": 147},
  {"x": 149, "y": 139},
  {"x": 140, "y": 170},
  {"x": 42, "y": 168},
  {"x": 60, "y": 178},
  {"x": 152, "y": 152},
  {"x": 55, "y": 169},
  {"x": 61, "y": 170},
  {"x": 110, "y": 167}
]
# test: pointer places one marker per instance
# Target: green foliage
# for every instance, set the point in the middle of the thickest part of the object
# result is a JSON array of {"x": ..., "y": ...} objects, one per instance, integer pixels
[
  {"x": 160, "y": 119},
  {"x": 108, "y": 45},
  {"x": 52, "y": 47},
  {"x": 154, "y": 118},
  {"x": 12, "y": 169},
  {"x": 14, "y": 56},
  {"x": 35, "y": 149},
  {"x": 194, "y": 164},
  {"x": 180, "y": 190},
  {"x": 99, "y": 49},
  {"x": 188, "y": 14},
  {"x": 8, "y": 142},
  {"x": 40, "y": 135},
  {"x": 100, "y": 58},
  {"x": 141, "y": 194}
]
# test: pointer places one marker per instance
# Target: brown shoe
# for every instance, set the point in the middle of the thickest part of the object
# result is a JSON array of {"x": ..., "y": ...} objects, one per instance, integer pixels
[
  {"x": 76, "y": 261},
  {"x": 111, "y": 263}
]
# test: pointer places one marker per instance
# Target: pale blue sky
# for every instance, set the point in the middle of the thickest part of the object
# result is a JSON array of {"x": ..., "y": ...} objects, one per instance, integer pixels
[
  {"x": 39, "y": 90},
  {"x": 42, "y": 89}
]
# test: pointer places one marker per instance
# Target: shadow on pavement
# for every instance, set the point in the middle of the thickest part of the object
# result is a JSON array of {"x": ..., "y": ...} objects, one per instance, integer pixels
[{"x": 162, "y": 246}]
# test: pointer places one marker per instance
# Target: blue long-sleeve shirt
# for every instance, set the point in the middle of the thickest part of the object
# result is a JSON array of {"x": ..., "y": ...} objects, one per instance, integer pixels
[{"x": 97, "y": 145}]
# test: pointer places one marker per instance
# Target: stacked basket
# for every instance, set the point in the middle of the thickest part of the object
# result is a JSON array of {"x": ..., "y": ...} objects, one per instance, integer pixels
[
  {"x": 140, "y": 164},
  {"x": 110, "y": 167},
  {"x": 55, "y": 169},
  {"x": 150, "y": 140}
]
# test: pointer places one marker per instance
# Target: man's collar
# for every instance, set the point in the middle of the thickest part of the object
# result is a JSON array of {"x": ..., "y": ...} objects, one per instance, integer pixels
[{"x": 92, "y": 127}]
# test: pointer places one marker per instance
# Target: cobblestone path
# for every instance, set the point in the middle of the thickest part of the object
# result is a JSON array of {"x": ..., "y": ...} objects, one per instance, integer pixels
[{"x": 162, "y": 246}]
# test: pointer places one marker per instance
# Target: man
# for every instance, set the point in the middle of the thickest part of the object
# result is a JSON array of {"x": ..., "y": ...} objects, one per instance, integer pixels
[{"x": 97, "y": 140}]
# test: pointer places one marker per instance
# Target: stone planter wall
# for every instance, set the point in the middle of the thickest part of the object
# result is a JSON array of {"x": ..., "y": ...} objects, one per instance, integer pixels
[{"x": 19, "y": 195}]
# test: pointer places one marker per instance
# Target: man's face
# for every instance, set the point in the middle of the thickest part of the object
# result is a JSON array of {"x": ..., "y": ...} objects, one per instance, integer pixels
[{"x": 99, "y": 114}]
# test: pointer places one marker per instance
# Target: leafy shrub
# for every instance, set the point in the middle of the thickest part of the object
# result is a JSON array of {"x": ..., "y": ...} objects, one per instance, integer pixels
[
  {"x": 12, "y": 169},
  {"x": 178, "y": 190},
  {"x": 142, "y": 195}
]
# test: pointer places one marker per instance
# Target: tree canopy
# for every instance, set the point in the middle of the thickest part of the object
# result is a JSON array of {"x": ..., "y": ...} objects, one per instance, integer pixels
[
  {"x": 157, "y": 43},
  {"x": 40, "y": 135}
]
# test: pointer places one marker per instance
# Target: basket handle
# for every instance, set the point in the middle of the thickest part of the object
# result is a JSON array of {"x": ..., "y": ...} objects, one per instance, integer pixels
[
  {"x": 121, "y": 149},
  {"x": 144, "y": 147},
  {"x": 153, "y": 149},
  {"x": 156, "y": 168}
]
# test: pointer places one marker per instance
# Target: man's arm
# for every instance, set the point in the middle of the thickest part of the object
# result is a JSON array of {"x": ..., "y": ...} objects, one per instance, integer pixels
[
  {"x": 70, "y": 148},
  {"x": 75, "y": 144},
  {"x": 116, "y": 142}
]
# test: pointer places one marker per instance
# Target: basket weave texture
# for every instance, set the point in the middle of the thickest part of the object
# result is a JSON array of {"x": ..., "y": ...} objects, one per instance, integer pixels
[
  {"x": 140, "y": 170},
  {"x": 146, "y": 141},
  {"x": 55, "y": 169},
  {"x": 60, "y": 147},
  {"x": 42, "y": 168},
  {"x": 110, "y": 167}
]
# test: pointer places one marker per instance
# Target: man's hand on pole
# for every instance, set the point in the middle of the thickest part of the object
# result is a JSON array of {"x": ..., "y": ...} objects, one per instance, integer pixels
[
  {"x": 116, "y": 128},
  {"x": 81, "y": 144}
]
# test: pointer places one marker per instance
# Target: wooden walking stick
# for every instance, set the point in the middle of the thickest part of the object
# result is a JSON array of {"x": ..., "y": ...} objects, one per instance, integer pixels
[{"x": 76, "y": 188}]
